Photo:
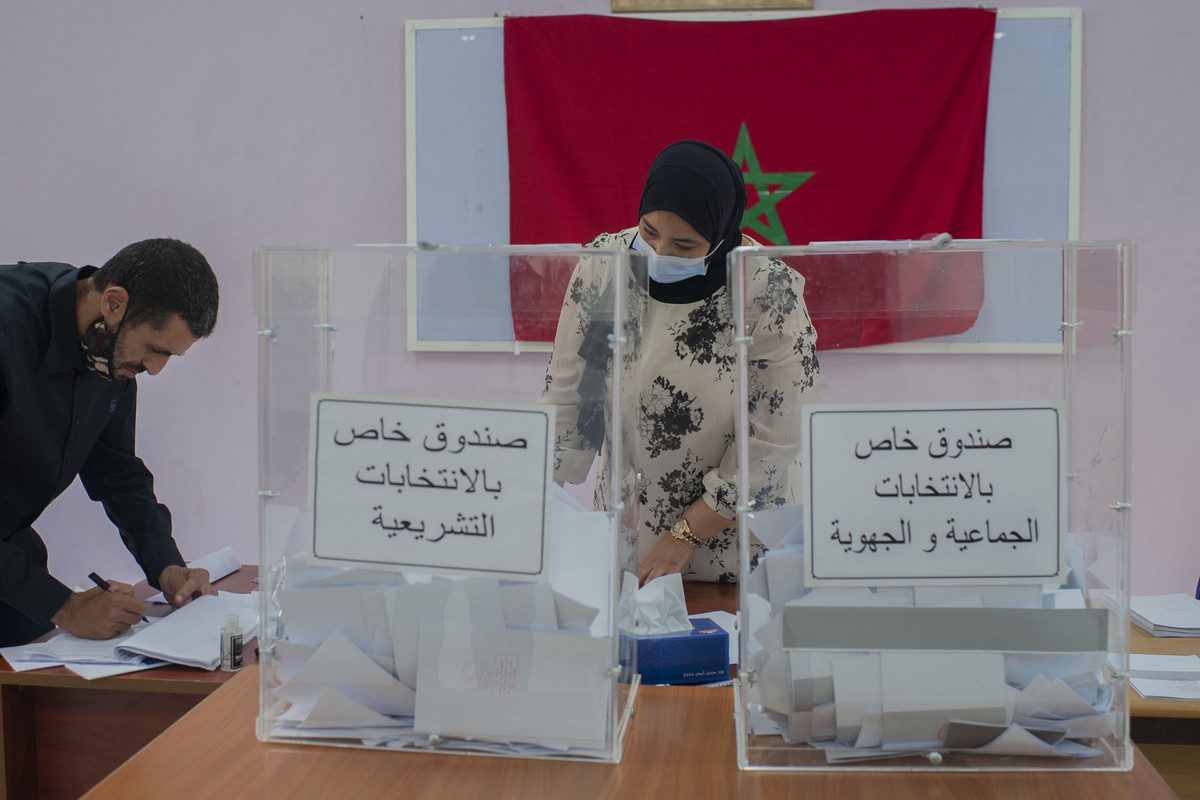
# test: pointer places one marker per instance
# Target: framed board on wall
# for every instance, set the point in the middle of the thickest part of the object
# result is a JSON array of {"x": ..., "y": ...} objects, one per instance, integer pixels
[{"x": 457, "y": 174}]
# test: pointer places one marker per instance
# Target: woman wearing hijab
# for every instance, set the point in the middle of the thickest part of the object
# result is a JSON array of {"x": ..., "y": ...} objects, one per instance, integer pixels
[{"x": 681, "y": 369}]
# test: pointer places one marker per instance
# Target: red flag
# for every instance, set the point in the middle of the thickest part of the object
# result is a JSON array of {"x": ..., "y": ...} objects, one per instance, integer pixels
[{"x": 850, "y": 126}]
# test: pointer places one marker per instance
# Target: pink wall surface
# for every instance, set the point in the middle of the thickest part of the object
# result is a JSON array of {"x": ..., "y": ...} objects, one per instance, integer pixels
[{"x": 235, "y": 125}]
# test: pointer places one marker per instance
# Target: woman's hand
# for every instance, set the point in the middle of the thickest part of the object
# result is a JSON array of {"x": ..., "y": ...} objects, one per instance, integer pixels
[{"x": 668, "y": 555}]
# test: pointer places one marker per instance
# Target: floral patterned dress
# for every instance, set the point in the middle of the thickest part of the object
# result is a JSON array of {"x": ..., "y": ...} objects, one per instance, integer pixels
[{"x": 680, "y": 380}]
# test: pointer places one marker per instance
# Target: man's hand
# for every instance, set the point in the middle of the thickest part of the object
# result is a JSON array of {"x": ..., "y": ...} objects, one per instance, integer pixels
[
  {"x": 181, "y": 585},
  {"x": 668, "y": 555},
  {"x": 97, "y": 614}
]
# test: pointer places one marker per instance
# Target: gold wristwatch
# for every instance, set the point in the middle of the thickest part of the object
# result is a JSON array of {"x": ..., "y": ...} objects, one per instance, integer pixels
[{"x": 683, "y": 532}]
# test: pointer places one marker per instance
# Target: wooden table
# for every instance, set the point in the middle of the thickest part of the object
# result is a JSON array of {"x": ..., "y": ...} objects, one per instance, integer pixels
[
  {"x": 680, "y": 745},
  {"x": 1168, "y": 731},
  {"x": 60, "y": 734}
]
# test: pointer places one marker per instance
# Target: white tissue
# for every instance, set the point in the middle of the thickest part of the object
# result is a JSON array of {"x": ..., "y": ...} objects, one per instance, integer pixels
[{"x": 657, "y": 607}]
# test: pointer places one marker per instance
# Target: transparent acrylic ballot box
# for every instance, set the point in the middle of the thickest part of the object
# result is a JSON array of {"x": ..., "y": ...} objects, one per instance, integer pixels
[
  {"x": 426, "y": 584},
  {"x": 935, "y": 539}
]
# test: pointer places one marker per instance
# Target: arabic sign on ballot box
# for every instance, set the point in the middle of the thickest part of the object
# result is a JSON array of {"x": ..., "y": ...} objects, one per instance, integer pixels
[
  {"x": 430, "y": 485},
  {"x": 924, "y": 493}
]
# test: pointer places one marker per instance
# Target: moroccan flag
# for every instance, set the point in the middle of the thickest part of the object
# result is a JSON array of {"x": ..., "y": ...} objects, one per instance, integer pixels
[{"x": 849, "y": 126}]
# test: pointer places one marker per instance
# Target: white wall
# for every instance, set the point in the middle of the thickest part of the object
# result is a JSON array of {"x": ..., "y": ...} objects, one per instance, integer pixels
[{"x": 239, "y": 124}]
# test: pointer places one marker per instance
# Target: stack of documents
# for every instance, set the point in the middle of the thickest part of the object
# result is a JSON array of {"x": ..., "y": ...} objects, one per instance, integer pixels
[
  {"x": 1156, "y": 677},
  {"x": 1167, "y": 614},
  {"x": 190, "y": 636}
]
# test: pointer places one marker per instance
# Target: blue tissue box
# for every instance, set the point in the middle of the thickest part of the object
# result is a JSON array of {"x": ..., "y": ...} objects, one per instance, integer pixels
[{"x": 697, "y": 656}]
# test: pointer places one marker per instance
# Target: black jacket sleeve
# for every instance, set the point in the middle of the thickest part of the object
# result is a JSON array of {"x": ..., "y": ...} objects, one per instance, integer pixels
[{"x": 117, "y": 478}]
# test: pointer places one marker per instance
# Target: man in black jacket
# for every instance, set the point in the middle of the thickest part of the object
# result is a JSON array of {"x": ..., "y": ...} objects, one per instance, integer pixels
[{"x": 71, "y": 343}]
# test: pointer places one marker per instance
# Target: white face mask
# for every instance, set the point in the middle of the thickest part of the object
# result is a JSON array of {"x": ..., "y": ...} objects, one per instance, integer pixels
[{"x": 669, "y": 269}]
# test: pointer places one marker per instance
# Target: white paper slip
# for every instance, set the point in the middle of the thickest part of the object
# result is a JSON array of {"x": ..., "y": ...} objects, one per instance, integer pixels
[
  {"x": 335, "y": 710},
  {"x": 1163, "y": 668},
  {"x": 513, "y": 685},
  {"x": 91, "y": 672},
  {"x": 1152, "y": 689},
  {"x": 923, "y": 691},
  {"x": 359, "y": 613},
  {"x": 30, "y": 666},
  {"x": 192, "y": 635},
  {"x": 337, "y": 664},
  {"x": 65, "y": 648},
  {"x": 219, "y": 564}
]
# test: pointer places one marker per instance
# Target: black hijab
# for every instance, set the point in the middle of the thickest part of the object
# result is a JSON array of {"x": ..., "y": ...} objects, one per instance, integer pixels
[{"x": 705, "y": 188}]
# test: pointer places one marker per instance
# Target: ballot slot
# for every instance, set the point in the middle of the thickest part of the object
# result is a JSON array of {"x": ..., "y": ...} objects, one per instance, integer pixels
[
  {"x": 949, "y": 589},
  {"x": 427, "y": 585}
]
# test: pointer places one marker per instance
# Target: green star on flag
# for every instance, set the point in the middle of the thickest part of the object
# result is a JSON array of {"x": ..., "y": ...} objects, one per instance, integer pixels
[{"x": 772, "y": 188}]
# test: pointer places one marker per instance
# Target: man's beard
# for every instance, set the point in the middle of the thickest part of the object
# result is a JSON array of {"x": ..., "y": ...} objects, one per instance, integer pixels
[{"x": 120, "y": 365}]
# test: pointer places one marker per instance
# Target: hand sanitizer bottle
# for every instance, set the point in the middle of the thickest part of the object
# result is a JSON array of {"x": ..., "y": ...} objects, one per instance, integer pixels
[{"x": 231, "y": 644}]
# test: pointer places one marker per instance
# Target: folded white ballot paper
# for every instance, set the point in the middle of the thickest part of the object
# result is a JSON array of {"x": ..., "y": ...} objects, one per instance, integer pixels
[
  {"x": 473, "y": 601},
  {"x": 333, "y": 709},
  {"x": 657, "y": 607},
  {"x": 538, "y": 687},
  {"x": 922, "y": 692},
  {"x": 191, "y": 635},
  {"x": 219, "y": 564},
  {"x": 359, "y": 613},
  {"x": 341, "y": 666}
]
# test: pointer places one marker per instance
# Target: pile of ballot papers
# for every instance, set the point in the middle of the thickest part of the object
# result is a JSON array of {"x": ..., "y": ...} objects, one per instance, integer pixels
[
  {"x": 868, "y": 673},
  {"x": 190, "y": 635},
  {"x": 412, "y": 660},
  {"x": 1167, "y": 614}
]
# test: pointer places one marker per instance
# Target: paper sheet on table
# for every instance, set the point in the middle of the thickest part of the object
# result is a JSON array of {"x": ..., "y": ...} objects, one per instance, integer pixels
[
  {"x": 658, "y": 607},
  {"x": 18, "y": 665},
  {"x": 358, "y": 613},
  {"x": 192, "y": 635},
  {"x": 472, "y": 601},
  {"x": 337, "y": 664},
  {"x": 91, "y": 672},
  {"x": 1178, "y": 611},
  {"x": 1153, "y": 689},
  {"x": 924, "y": 691},
  {"x": 529, "y": 686},
  {"x": 1163, "y": 668},
  {"x": 729, "y": 624},
  {"x": 219, "y": 564},
  {"x": 65, "y": 648}
]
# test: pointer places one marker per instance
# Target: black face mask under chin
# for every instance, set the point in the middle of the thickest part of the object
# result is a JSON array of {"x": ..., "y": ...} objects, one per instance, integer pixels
[{"x": 99, "y": 344}]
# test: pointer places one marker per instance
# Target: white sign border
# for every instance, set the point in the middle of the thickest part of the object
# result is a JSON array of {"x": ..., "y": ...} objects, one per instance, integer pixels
[
  {"x": 546, "y": 412},
  {"x": 810, "y": 410}
]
